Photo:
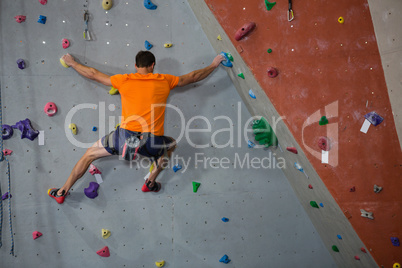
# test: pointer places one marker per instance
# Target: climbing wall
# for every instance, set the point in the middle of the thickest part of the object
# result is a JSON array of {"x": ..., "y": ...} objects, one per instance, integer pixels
[
  {"x": 329, "y": 65},
  {"x": 267, "y": 224}
]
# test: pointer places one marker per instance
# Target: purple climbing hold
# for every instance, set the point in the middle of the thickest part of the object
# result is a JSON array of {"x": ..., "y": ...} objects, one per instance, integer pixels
[
  {"x": 395, "y": 241},
  {"x": 374, "y": 118},
  {"x": 27, "y": 131},
  {"x": 21, "y": 64},
  {"x": 5, "y": 196},
  {"x": 7, "y": 132},
  {"x": 92, "y": 190}
]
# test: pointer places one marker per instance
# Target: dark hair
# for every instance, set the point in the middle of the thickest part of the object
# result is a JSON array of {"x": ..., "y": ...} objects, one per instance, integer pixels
[{"x": 144, "y": 59}]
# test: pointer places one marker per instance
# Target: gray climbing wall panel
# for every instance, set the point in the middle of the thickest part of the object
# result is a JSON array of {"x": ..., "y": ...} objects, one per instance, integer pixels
[{"x": 267, "y": 225}]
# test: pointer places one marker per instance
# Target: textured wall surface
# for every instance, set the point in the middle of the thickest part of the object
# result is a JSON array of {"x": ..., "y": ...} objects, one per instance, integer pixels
[{"x": 267, "y": 224}]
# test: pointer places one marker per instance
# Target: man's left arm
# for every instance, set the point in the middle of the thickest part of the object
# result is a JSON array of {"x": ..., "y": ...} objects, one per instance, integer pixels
[{"x": 200, "y": 74}]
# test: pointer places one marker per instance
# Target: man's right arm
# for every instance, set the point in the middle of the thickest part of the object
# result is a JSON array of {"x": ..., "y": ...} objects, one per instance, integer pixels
[{"x": 87, "y": 72}]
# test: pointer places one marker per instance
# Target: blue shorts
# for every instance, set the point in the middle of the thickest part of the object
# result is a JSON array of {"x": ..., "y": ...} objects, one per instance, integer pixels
[{"x": 115, "y": 140}]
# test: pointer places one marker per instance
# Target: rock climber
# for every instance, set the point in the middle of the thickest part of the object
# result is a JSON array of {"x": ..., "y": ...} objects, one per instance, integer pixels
[{"x": 142, "y": 127}]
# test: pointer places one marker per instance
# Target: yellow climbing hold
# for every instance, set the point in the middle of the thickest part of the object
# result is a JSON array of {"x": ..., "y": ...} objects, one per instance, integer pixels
[
  {"x": 341, "y": 20},
  {"x": 219, "y": 38},
  {"x": 63, "y": 63},
  {"x": 113, "y": 91},
  {"x": 167, "y": 45},
  {"x": 105, "y": 233},
  {"x": 107, "y": 4},
  {"x": 118, "y": 124},
  {"x": 73, "y": 128},
  {"x": 160, "y": 263}
]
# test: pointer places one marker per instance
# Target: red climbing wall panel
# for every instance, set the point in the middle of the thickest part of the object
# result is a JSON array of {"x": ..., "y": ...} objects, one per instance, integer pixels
[{"x": 323, "y": 63}]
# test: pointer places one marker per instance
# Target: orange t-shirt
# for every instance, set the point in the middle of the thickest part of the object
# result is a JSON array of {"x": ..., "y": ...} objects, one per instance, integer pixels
[{"x": 138, "y": 95}]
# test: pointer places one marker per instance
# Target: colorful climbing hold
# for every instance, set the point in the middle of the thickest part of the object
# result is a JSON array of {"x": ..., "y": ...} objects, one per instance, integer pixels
[
  {"x": 251, "y": 93},
  {"x": 36, "y": 235},
  {"x": 225, "y": 259},
  {"x": 105, "y": 233},
  {"x": 43, "y": 2},
  {"x": 377, "y": 189},
  {"x": 250, "y": 144},
  {"x": 177, "y": 167},
  {"x": 21, "y": 64},
  {"x": 395, "y": 241},
  {"x": 65, "y": 43},
  {"x": 272, "y": 72},
  {"x": 62, "y": 62},
  {"x": 324, "y": 143},
  {"x": 323, "y": 121},
  {"x": 269, "y": 5},
  {"x": 341, "y": 20},
  {"x": 314, "y": 204},
  {"x": 366, "y": 214},
  {"x": 107, "y": 4},
  {"x": 160, "y": 263},
  {"x": 94, "y": 170},
  {"x": 269, "y": 50},
  {"x": 241, "y": 75},
  {"x": 104, "y": 252},
  {"x": 113, "y": 90},
  {"x": 292, "y": 149},
  {"x": 94, "y": 128},
  {"x": 42, "y": 19},
  {"x": 27, "y": 131},
  {"x": 335, "y": 248},
  {"x": 50, "y": 109},
  {"x": 196, "y": 185},
  {"x": 167, "y": 45},
  {"x": 219, "y": 38},
  {"x": 339, "y": 236},
  {"x": 7, "y": 131},
  {"x": 225, "y": 219},
  {"x": 374, "y": 118},
  {"x": 300, "y": 168},
  {"x": 149, "y": 5},
  {"x": 357, "y": 258},
  {"x": 52, "y": 192},
  {"x": 148, "y": 45},
  {"x": 73, "y": 128},
  {"x": 226, "y": 62},
  {"x": 20, "y": 18},
  {"x": 264, "y": 133},
  {"x": 230, "y": 57},
  {"x": 7, "y": 152},
  {"x": 244, "y": 30}
]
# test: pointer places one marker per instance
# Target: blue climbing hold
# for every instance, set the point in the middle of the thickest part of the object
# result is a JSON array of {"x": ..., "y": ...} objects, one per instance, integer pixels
[
  {"x": 149, "y": 5},
  {"x": 225, "y": 219},
  {"x": 94, "y": 128},
  {"x": 395, "y": 241},
  {"x": 42, "y": 19},
  {"x": 251, "y": 93},
  {"x": 148, "y": 45},
  {"x": 177, "y": 167},
  {"x": 321, "y": 205},
  {"x": 226, "y": 62},
  {"x": 374, "y": 118},
  {"x": 92, "y": 190},
  {"x": 225, "y": 259},
  {"x": 250, "y": 144},
  {"x": 339, "y": 236}
]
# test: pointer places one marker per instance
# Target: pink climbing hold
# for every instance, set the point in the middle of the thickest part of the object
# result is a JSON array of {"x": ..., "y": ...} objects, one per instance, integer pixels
[
  {"x": 65, "y": 43},
  {"x": 7, "y": 152},
  {"x": 292, "y": 149},
  {"x": 357, "y": 258},
  {"x": 104, "y": 252},
  {"x": 94, "y": 170},
  {"x": 324, "y": 144},
  {"x": 310, "y": 186},
  {"x": 43, "y": 2},
  {"x": 20, "y": 18},
  {"x": 36, "y": 235},
  {"x": 363, "y": 250},
  {"x": 244, "y": 30},
  {"x": 50, "y": 108},
  {"x": 272, "y": 72}
]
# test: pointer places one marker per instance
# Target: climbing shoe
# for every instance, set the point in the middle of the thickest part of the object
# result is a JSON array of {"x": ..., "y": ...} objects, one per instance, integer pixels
[
  {"x": 53, "y": 193},
  {"x": 146, "y": 188}
]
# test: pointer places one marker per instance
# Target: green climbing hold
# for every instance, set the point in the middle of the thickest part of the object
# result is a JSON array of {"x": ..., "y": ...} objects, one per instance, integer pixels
[
  {"x": 323, "y": 121},
  {"x": 269, "y": 5},
  {"x": 264, "y": 134},
  {"x": 314, "y": 204},
  {"x": 241, "y": 75},
  {"x": 335, "y": 248},
  {"x": 269, "y": 50},
  {"x": 230, "y": 57},
  {"x": 195, "y": 186}
]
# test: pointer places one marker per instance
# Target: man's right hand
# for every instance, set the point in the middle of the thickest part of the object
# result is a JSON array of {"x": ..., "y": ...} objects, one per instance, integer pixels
[
  {"x": 217, "y": 60},
  {"x": 68, "y": 59}
]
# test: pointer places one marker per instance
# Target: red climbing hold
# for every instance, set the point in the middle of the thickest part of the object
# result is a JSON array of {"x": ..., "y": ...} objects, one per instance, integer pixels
[
  {"x": 324, "y": 144},
  {"x": 43, "y": 2},
  {"x": 104, "y": 252},
  {"x": 357, "y": 258},
  {"x": 244, "y": 30},
  {"x": 36, "y": 235},
  {"x": 353, "y": 189},
  {"x": 292, "y": 149},
  {"x": 310, "y": 186},
  {"x": 52, "y": 192},
  {"x": 363, "y": 250},
  {"x": 272, "y": 72}
]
